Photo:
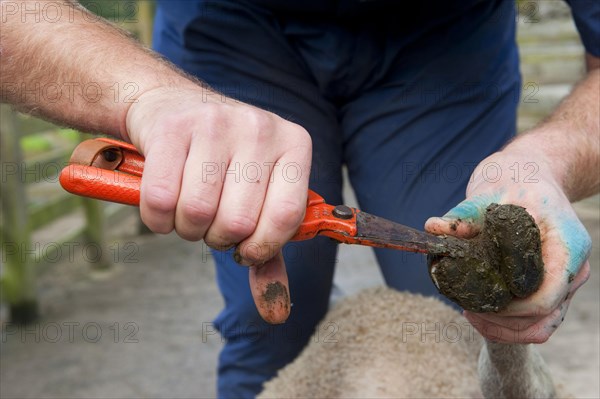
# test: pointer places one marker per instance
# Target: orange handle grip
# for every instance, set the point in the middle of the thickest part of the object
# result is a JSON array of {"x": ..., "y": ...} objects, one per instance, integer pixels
[
  {"x": 105, "y": 169},
  {"x": 102, "y": 184},
  {"x": 111, "y": 170}
]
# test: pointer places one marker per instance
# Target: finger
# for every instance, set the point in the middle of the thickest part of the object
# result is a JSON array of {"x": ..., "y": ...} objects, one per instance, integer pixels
[
  {"x": 523, "y": 333},
  {"x": 510, "y": 322},
  {"x": 240, "y": 204},
  {"x": 159, "y": 191},
  {"x": 270, "y": 290},
  {"x": 200, "y": 191},
  {"x": 465, "y": 219},
  {"x": 283, "y": 209}
]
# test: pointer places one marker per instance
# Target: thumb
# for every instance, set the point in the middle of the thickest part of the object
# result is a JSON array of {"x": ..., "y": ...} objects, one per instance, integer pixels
[
  {"x": 464, "y": 220},
  {"x": 270, "y": 290}
]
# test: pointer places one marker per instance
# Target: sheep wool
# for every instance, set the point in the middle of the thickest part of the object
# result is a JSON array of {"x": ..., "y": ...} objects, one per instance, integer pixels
[{"x": 385, "y": 343}]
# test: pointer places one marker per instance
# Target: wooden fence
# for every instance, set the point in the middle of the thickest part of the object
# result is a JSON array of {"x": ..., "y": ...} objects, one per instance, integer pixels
[{"x": 31, "y": 197}]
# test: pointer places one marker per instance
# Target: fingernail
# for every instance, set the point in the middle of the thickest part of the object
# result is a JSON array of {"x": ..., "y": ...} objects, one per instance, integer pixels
[
  {"x": 237, "y": 257},
  {"x": 220, "y": 247}
]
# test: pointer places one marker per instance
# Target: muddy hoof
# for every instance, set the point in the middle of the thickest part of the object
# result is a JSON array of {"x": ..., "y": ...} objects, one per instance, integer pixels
[{"x": 504, "y": 261}]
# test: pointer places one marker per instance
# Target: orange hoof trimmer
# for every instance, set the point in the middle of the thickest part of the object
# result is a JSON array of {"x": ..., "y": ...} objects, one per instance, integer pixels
[{"x": 112, "y": 170}]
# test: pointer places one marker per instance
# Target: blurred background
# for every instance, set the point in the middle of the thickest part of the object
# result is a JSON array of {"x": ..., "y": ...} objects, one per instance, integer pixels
[{"x": 112, "y": 311}]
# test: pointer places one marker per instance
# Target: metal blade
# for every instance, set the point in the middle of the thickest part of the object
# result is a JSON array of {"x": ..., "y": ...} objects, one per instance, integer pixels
[{"x": 388, "y": 234}]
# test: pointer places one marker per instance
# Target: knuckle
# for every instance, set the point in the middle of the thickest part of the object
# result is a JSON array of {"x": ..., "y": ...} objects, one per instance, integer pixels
[
  {"x": 157, "y": 226},
  {"x": 303, "y": 137},
  {"x": 189, "y": 235},
  {"x": 261, "y": 120},
  {"x": 302, "y": 134},
  {"x": 256, "y": 116},
  {"x": 263, "y": 128},
  {"x": 194, "y": 217},
  {"x": 197, "y": 211},
  {"x": 160, "y": 200},
  {"x": 258, "y": 122},
  {"x": 214, "y": 242},
  {"x": 214, "y": 119},
  {"x": 252, "y": 253},
  {"x": 239, "y": 226},
  {"x": 287, "y": 215},
  {"x": 258, "y": 253},
  {"x": 299, "y": 136}
]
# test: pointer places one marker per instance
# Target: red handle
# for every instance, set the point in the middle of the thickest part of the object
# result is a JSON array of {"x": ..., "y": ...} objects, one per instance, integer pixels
[
  {"x": 102, "y": 184},
  {"x": 105, "y": 169},
  {"x": 111, "y": 170}
]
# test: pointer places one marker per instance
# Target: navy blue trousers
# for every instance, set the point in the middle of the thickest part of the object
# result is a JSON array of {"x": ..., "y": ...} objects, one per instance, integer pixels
[{"x": 409, "y": 117}]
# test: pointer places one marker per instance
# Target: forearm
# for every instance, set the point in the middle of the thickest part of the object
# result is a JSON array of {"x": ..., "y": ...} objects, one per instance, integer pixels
[
  {"x": 568, "y": 142},
  {"x": 76, "y": 69}
]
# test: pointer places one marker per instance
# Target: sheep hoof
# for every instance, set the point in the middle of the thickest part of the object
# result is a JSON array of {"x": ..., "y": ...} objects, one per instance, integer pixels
[{"x": 504, "y": 261}]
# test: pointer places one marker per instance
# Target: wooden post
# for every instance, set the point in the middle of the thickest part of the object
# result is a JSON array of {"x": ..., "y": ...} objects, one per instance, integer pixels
[
  {"x": 95, "y": 233},
  {"x": 18, "y": 277},
  {"x": 144, "y": 19}
]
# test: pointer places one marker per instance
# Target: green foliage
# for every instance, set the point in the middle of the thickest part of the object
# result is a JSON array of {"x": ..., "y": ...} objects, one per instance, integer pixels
[
  {"x": 70, "y": 135},
  {"x": 46, "y": 140},
  {"x": 34, "y": 144},
  {"x": 10, "y": 286},
  {"x": 120, "y": 11},
  {"x": 116, "y": 10}
]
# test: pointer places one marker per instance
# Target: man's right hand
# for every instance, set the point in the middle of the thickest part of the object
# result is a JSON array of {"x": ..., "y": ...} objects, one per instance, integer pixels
[
  {"x": 216, "y": 169},
  {"x": 228, "y": 173}
]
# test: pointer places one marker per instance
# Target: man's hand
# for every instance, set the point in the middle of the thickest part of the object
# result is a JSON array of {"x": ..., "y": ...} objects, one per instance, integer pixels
[
  {"x": 507, "y": 177},
  {"x": 216, "y": 169},
  {"x": 225, "y": 172},
  {"x": 543, "y": 170}
]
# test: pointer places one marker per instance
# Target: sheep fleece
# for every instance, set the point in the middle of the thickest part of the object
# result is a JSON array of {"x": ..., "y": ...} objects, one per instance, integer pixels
[{"x": 385, "y": 343}]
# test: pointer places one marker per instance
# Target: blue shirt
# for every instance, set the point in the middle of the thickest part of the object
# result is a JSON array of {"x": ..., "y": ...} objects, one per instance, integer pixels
[
  {"x": 177, "y": 15},
  {"x": 586, "y": 14}
]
